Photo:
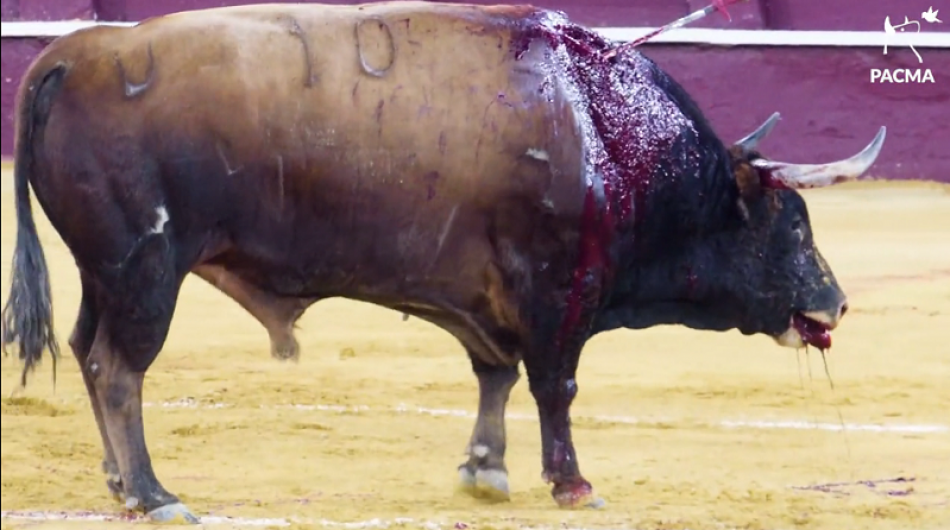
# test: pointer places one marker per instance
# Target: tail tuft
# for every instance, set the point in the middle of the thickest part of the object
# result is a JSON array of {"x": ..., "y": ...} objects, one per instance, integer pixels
[{"x": 27, "y": 317}]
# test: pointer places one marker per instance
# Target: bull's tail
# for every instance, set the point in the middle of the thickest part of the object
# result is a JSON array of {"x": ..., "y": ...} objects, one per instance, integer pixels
[{"x": 28, "y": 313}]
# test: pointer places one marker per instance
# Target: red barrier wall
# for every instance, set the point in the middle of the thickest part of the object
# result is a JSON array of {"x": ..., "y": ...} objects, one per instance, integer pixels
[{"x": 829, "y": 105}]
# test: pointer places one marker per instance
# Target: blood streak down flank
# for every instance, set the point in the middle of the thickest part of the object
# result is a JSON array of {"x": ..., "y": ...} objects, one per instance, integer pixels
[{"x": 630, "y": 126}]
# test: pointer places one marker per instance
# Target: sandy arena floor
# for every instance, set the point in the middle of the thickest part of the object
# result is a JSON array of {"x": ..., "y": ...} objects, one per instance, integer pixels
[{"x": 676, "y": 429}]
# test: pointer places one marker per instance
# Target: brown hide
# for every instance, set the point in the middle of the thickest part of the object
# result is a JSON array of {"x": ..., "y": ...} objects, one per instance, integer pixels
[{"x": 393, "y": 153}]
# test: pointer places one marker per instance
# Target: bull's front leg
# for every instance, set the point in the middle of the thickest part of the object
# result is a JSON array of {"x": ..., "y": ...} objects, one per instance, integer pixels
[
  {"x": 485, "y": 475},
  {"x": 551, "y": 376}
]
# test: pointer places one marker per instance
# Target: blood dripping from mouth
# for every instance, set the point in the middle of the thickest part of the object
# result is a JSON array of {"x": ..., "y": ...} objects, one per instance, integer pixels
[{"x": 813, "y": 333}]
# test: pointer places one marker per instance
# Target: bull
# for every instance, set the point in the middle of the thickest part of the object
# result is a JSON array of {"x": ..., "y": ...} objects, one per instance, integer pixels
[{"x": 524, "y": 193}]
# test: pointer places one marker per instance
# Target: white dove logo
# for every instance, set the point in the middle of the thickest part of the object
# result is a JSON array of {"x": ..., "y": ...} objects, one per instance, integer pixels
[{"x": 931, "y": 16}]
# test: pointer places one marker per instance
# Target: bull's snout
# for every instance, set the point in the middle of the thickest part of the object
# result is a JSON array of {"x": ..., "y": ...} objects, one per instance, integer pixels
[
  {"x": 829, "y": 317},
  {"x": 814, "y": 327}
]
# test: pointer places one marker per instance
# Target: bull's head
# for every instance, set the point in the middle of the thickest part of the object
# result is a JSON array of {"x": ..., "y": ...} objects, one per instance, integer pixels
[{"x": 789, "y": 290}]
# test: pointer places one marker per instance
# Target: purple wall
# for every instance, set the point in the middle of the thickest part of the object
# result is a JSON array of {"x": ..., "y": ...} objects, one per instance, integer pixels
[
  {"x": 829, "y": 106},
  {"x": 48, "y": 9}
]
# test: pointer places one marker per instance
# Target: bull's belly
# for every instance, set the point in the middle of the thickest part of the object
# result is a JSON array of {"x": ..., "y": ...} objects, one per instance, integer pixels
[
  {"x": 441, "y": 267},
  {"x": 398, "y": 252}
]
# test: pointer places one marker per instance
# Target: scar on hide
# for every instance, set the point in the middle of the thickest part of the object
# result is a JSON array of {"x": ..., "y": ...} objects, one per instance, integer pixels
[
  {"x": 538, "y": 154},
  {"x": 156, "y": 229},
  {"x": 162, "y": 219},
  {"x": 224, "y": 159},
  {"x": 298, "y": 32},
  {"x": 381, "y": 25},
  {"x": 280, "y": 182},
  {"x": 444, "y": 233},
  {"x": 134, "y": 89}
]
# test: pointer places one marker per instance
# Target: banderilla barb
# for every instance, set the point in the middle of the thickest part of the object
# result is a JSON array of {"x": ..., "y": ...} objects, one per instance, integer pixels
[{"x": 717, "y": 5}]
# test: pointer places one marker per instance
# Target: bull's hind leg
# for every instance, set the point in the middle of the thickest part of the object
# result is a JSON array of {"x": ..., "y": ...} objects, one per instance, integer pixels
[
  {"x": 81, "y": 342},
  {"x": 485, "y": 475},
  {"x": 118, "y": 386},
  {"x": 277, "y": 315},
  {"x": 137, "y": 307}
]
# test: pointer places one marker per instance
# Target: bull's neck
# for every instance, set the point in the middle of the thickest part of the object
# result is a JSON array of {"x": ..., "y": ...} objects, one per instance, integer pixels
[{"x": 674, "y": 248}]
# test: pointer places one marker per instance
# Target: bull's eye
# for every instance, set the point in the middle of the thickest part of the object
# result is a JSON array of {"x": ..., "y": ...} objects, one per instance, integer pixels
[{"x": 797, "y": 229}]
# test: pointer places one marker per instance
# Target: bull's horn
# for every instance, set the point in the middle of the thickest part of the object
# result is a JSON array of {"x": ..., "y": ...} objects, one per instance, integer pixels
[
  {"x": 752, "y": 141},
  {"x": 799, "y": 176}
]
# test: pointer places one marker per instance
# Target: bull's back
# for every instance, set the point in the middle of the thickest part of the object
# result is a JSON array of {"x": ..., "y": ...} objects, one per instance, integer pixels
[
  {"x": 379, "y": 91},
  {"x": 311, "y": 129}
]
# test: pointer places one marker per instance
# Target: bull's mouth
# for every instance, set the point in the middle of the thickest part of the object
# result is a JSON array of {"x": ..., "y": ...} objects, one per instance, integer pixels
[{"x": 803, "y": 330}]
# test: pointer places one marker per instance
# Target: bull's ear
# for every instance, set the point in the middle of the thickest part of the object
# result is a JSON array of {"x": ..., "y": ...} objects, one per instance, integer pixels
[
  {"x": 750, "y": 187},
  {"x": 748, "y": 181}
]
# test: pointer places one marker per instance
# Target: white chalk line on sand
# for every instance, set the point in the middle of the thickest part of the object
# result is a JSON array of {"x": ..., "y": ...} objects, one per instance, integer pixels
[
  {"x": 216, "y": 520},
  {"x": 46, "y": 516},
  {"x": 188, "y": 403}
]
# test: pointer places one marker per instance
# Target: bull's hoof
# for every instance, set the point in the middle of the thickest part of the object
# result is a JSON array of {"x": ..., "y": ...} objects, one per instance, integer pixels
[
  {"x": 577, "y": 495},
  {"x": 114, "y": 480},
  {"x": 486, "y": 484},
  {"x": 287, "y": 349},
  {"x": 175, "y": 513},
  {"x": 114, "y": 483}
]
